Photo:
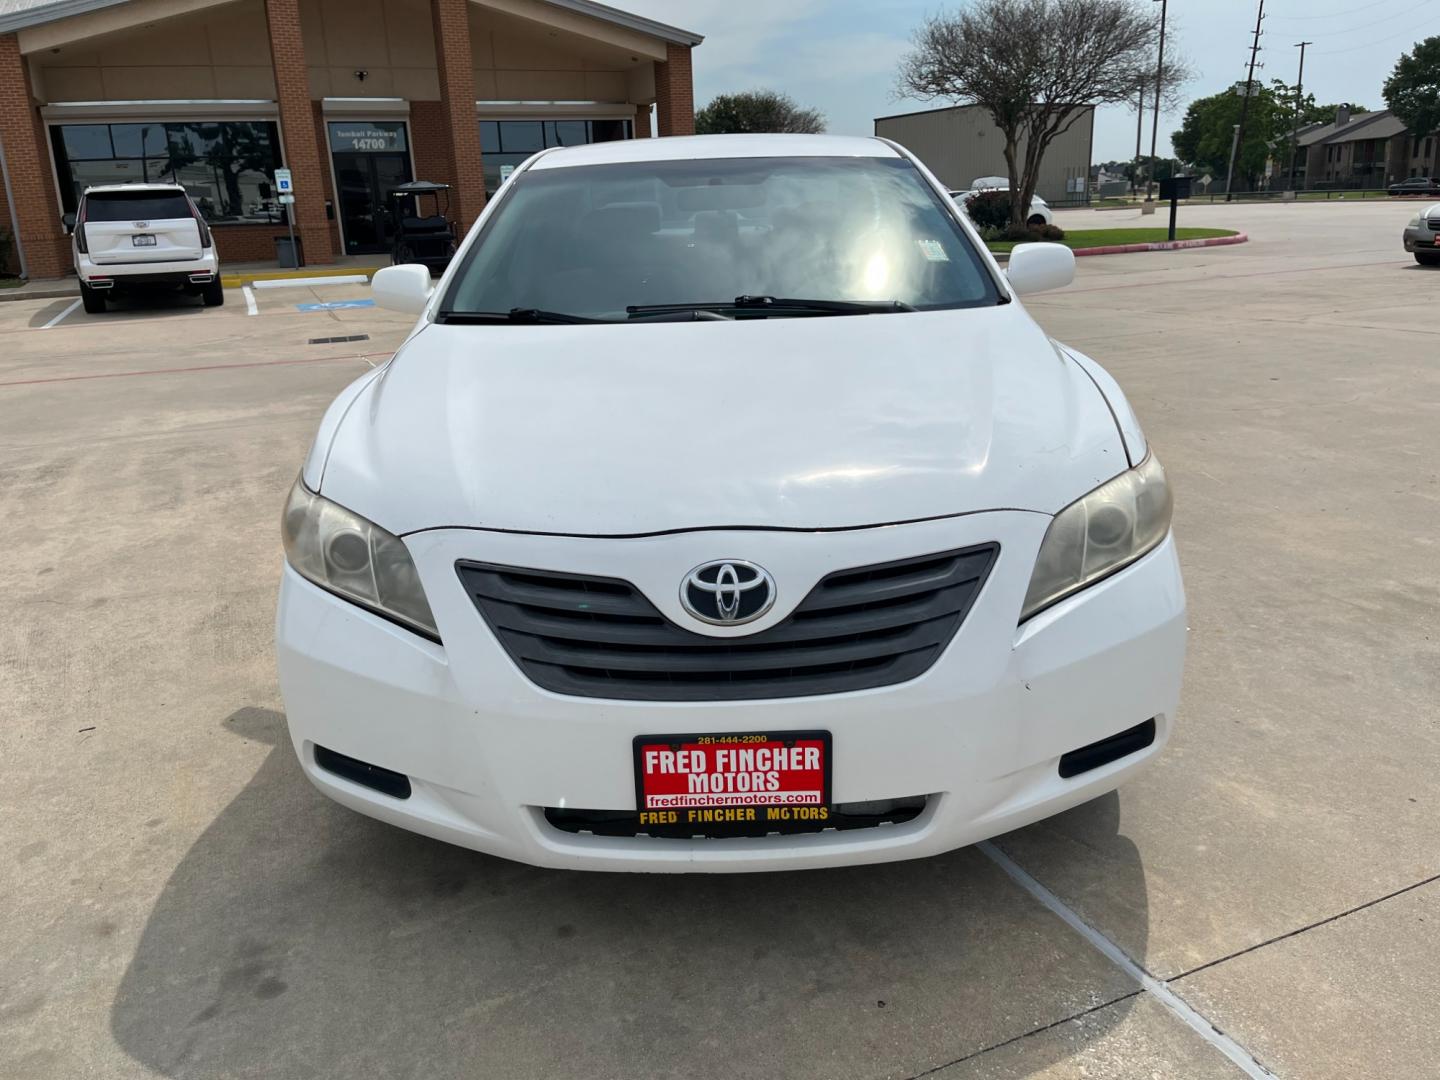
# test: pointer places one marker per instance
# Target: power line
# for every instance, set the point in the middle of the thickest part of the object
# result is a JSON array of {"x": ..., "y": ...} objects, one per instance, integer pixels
[
  {"x": 1333, "y": 14},
  {"x": 1376, "y": 22},
  {"x": 1368, "y": 44}
]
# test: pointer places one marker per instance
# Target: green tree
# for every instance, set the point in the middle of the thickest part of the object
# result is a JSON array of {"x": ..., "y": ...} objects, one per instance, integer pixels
[
  {"x": 1413, "y": 89},
  {"x": 1208, "y": 129},
  {"x": 757, "y": 111}
]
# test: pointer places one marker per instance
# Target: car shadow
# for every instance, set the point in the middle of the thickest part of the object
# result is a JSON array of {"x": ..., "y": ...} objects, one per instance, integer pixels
[
  {"x": 43, "y": 315},
  {"x": 143, "y": 300},
  {"x": 296, "y": 938}
]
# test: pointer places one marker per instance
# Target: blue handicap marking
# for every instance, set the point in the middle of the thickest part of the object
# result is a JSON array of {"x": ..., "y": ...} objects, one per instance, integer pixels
[{"x": 331, "y": 305}]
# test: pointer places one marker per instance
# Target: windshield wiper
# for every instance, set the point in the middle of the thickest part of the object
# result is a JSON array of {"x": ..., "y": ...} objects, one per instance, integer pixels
[
  {"x": 514, "y": 315},
  {"x": 680, "y": 313},
  {"x": 840, "y": 307},
  {"x": 775, "y": 304}
]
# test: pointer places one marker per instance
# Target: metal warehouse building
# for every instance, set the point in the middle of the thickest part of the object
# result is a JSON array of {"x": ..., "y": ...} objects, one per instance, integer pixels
[
  {"x": 961, "y": 142},
  {"x": 352, "y": 96}
]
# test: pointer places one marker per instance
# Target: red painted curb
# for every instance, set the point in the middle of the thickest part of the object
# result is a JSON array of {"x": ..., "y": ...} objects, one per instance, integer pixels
[{"x": 1163, "y": 245}]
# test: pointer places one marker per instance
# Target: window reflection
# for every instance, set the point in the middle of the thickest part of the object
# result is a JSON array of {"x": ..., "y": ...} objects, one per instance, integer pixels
[
  {"x": 226, "y": 166},
  {"x": 511, "y": 142}
]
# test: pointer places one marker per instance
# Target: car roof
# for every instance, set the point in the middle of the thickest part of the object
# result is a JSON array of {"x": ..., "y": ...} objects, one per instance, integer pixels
[
  {"x": 693, "y": 147},
  {"x": 108, "y": 189}
]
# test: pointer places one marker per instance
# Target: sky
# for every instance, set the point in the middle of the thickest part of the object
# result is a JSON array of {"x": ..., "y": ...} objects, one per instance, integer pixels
[{"x": 840, "y": 56}]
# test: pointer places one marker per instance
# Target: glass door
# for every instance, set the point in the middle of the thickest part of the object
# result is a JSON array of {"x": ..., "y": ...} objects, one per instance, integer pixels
[
  {"x": 364, "y": 180},
  {"x": 370, "y": 159}
]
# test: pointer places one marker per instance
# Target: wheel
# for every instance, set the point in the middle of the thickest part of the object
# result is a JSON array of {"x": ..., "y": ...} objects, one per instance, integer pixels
[
  {"x": 1035, "y": 220},
  {"x": 93, "y": 299},
  {"x": 401, "y": 255},
  {"x": 1424, "y": 258},
  {"x": 213, "y": 295}
]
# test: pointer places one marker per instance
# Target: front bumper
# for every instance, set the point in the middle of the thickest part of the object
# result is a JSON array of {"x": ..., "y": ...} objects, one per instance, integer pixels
[
  {"x": 981, "y": 733},
  {"x": 1421, "y": 239}
]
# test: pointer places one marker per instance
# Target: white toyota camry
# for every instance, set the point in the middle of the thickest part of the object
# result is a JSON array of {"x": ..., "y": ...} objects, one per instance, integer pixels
[{"x": 725, "y": 510}]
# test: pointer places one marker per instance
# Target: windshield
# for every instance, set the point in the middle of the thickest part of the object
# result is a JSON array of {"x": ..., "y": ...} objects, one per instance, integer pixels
[{"x": 599, "y": 241}]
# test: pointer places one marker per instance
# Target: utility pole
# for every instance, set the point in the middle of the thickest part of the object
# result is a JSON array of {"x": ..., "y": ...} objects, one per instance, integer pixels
[
  {"x": 1245, "y": 104},
  {"x": 1299, "y": 91},
  {"x": 1155, "y": 114}
]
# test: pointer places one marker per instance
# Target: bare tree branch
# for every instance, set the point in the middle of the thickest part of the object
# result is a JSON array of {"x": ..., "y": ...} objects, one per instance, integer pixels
[{"x": 1031, "y": 64}]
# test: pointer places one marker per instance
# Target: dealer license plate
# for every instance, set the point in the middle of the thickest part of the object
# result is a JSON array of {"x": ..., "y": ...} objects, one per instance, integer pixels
[
  {"x": 732, "y": 783},
  {"x": 143, "y": 240}
]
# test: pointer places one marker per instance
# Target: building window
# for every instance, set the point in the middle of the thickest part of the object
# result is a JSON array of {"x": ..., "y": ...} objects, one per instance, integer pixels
[
  {"x": 226, "y": 166},
  {"x": 510, "y": 142}
]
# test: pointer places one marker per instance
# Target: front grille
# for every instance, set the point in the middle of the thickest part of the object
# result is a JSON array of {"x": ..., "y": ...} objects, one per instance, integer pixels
[
  {"x": 857, "y": 629},
  {"x": 1434, "y": 224}
]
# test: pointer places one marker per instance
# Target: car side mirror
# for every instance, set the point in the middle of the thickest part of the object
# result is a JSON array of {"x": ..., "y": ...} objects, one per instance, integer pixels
[
  {"x": 1037, "y": 268},
  {"x": 402, "y": 288},
  {"x": 68, "y": 220}
]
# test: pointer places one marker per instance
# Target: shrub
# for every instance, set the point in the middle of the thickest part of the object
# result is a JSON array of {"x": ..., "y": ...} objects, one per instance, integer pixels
[
  {"x": 990, "y": 209},
  {"x": 1018, "y": 233},
  {"x": 1049, "y": 232}
]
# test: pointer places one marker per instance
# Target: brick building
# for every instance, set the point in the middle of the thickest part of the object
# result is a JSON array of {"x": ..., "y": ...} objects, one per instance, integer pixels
[
  {"x": 1360, "y": 150},
  {"x": 353, "y": 96}
]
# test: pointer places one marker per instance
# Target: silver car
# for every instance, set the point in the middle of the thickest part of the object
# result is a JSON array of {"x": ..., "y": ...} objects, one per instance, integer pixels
[{"x": 1422, "y": 236}]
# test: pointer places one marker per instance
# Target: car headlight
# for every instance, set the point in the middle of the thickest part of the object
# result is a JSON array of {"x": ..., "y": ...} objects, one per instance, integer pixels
[
  {"x": 356, "y": 559},
  {"x": 1414, "y": 222},
  {"x": 1096, "y": 535}
]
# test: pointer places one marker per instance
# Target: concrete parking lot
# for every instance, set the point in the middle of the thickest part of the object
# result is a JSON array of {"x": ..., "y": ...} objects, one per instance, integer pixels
[{"x": 180, "y": 903}]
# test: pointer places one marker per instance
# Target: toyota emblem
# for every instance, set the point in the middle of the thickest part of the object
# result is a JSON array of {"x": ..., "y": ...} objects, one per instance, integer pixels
[{"x": 727, "y": 592}]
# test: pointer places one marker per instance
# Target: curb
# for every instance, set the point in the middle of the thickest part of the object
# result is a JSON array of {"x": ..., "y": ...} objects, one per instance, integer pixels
[
  {"x": 1164, "y": 245},
  {"x": 234, "y": 281},
  {"x": 1158, "y": 245},
  {"x": 50, "y": 290}
]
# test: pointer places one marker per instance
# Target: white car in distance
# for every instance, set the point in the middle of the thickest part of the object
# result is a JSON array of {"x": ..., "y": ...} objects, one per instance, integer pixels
[
  {"x": 1038, "y": 212},
  {"x": 725, "y": 510}
]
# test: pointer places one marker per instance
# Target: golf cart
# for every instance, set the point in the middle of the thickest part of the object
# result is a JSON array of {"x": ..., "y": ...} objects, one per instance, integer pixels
[{"x": 422, "y": 230}]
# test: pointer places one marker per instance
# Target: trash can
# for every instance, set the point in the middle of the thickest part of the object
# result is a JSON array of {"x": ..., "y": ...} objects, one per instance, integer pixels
[{"x": 289, "y": 254}]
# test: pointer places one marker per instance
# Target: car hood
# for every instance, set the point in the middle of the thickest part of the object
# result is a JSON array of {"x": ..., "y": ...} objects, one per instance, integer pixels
[{"x": 803, "y": 423}]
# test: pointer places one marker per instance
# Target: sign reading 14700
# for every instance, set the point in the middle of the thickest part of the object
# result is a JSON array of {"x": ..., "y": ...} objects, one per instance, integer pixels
[{"x": 366, "y": 137}]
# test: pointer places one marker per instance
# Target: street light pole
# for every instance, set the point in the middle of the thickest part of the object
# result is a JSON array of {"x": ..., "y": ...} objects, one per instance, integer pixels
[
  {"x": 1299, "y": 91},
  {"x": 1139, "y": 134},
  {"x": 1155, "y": 112},
  {"x": 1230, "y": 173}
]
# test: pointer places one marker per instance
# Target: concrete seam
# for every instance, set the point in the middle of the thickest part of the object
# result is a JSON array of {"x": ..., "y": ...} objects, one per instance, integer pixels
[
  {"x": 1306, "y": 929},
  {"x": 1026, "y": 1034},
  {"x": 1161, "y": 991}
]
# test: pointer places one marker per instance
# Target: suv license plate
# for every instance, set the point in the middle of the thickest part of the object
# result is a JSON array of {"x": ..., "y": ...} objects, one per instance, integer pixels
[
  {"x": 143, "y": 240},
  {"x": 732, "y": 781}
]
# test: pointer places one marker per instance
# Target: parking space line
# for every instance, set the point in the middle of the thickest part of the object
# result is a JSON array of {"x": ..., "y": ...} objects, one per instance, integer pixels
[
  {"x": 250, "y": 308},
  {"x": 1237, "y": 1054},
  {"x": 62, "y": 315},
  {"x": 184, "y": 370}
]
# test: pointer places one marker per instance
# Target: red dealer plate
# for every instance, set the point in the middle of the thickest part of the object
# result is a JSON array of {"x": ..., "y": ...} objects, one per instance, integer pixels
[{"x": 757, "y": 781}]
